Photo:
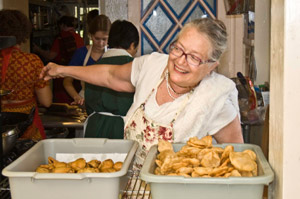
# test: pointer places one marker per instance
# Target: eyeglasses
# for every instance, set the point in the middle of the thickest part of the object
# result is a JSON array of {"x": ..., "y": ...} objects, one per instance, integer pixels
[{"x": 191, "y": 59}]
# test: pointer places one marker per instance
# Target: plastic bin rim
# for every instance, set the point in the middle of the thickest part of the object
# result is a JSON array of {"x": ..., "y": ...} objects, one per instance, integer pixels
[{"x": 34, "y": 175}]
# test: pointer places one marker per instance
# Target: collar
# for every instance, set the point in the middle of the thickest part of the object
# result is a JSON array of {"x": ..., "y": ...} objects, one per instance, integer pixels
[{"x": 113, "y": 52}]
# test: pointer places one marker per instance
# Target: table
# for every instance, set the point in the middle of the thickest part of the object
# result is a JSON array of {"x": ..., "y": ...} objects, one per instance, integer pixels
[{"x": 51, "y": 120}]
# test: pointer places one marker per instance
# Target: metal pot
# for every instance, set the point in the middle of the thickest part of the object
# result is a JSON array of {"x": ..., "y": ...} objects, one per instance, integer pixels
[
  {"x": 13, "y": 126},
  {"x": 10, "y": 134}
]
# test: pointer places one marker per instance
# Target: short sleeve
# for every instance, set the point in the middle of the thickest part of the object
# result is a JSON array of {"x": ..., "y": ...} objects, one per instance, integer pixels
[
  {"x": 227, "y": 114},
  {"x": 78, "y": 57},
  {"x": 38, "y": 65},
  {"x": 136, "y": 69}
]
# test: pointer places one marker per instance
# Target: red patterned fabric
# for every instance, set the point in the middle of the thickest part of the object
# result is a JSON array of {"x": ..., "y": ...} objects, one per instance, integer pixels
[
  {"x": 22, "y": 75},
  {"x": 6, "y": 53}
]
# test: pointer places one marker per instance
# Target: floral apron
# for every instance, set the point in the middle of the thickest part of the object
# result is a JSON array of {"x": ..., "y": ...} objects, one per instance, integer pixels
[{"x": 148, "y": 132}]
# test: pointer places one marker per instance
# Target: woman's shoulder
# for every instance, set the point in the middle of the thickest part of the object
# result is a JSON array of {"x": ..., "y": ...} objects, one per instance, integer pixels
[
  {"x": 82, "y": 49},
  {"x": 214, "y": 86},
  {"x": 30, "y": 56},
  {"x": 157, "y": 56},
  {"x": 219, "y": 79},
  {"x": 152, "y": 58},
  {"x": 78, "y": 57}
]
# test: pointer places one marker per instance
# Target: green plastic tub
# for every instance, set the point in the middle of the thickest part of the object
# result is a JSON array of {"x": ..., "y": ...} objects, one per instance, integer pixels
[{"x": 178, "y": 187}]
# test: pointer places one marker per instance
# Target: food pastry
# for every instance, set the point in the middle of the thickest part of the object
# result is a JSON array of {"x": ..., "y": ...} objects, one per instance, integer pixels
[
  {"x": 118, "y": 166},
  {"x": 199, "y": 158},
  {"x": 79, "y": 166},
  {"x": 106, "y": 164}
]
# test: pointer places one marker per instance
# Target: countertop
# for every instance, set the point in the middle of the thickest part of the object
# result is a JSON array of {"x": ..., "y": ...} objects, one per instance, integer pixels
[{"x": 70, "y": 117}]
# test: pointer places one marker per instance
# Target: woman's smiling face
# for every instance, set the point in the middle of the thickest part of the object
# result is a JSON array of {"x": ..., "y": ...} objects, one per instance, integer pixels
[{"x": 194, "y": 43}]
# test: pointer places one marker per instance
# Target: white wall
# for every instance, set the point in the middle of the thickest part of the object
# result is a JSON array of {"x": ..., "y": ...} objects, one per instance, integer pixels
[
  {"x": 284, "y": 154},
  {"x": 291, "y": 88},
  {"x": 262, "y": 40},
  {"x": 232, "y": 60},
  {"x": 1, "y": 4}
]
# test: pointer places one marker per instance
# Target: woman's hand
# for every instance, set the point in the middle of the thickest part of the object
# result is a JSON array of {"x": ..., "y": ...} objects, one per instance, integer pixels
[
  {"x": 51, "y": 71},
  {"x": 78, "y": 100}
]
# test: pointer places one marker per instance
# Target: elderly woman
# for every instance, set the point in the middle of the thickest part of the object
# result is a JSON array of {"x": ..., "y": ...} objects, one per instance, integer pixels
[
  {"x": 20, "y": 73},
  {"x": 177, "y": 96}
]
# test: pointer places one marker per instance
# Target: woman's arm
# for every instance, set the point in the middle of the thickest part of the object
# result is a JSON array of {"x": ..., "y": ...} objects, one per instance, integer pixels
[
  {"x": 68, "y": 84},
  {"x": 232, "y": 133},
  {"x": 116, "y": 77},
  {"x": 44, "y": 96}
]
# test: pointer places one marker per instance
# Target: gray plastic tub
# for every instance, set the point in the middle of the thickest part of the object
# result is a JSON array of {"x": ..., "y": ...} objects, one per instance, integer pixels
[
  {"x": 178, "y": 187},
  {"x": 25, "y": 183}
]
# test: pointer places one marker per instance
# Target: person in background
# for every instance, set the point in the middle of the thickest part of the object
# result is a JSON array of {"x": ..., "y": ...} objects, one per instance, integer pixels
[
  {"x": 87, "y": 55},
  {"x": 89, "y": 17},
  {"x": 177, "y": 96},
  {"x": 20, "y": 73},
  {"x": 62, "y": 50},
  {"x": 106, "y": 107}
]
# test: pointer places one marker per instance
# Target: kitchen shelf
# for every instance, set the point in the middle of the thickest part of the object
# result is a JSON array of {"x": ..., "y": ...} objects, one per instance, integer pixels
[
  {"x": 43, "y": 33},
  {"x": 41, "y": 3}
]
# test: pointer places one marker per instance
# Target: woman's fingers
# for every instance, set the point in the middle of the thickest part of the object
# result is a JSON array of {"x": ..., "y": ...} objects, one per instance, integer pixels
[
  {"x": 78, "y": 100},
  {"x": 50, "y": 72}
]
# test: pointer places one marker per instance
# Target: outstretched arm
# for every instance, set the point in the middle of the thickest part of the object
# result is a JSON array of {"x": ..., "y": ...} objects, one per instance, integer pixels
[{"x": 116, "y": 77}]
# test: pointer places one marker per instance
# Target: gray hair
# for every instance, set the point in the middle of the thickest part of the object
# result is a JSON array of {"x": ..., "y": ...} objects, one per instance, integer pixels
[{"x": 215, "y": 30}]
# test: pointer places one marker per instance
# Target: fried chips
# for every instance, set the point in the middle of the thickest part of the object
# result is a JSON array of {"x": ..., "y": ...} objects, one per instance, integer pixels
[
  {"x": 80, "y": 166},
  {"x": 198, "y": 158}
]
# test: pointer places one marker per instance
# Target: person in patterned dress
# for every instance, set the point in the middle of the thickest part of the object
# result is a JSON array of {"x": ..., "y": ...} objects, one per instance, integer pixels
[{"x": 20, "y": 73}]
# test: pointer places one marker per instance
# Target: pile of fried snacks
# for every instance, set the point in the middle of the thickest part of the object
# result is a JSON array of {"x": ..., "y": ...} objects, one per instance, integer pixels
[
  {"x": 198, "y": 158},
  {"x": 80, "y": 166}
]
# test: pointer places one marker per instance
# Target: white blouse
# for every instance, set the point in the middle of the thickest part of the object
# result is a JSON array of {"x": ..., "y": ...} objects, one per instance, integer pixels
[{"x": 213, "y": 105}]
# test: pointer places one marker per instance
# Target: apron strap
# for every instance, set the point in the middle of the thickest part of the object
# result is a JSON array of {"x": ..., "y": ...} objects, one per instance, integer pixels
[
  {"x": 38, "y": 123},
  {"x": 87, "y": 56},
  {"x": 182, "y": 106},
  {"x": 86, "y": 59},
  {"x": 101, "y": 113}
]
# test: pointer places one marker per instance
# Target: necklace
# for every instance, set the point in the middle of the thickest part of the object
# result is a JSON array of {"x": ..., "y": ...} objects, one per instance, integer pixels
[{"x": 170, "y": 88}]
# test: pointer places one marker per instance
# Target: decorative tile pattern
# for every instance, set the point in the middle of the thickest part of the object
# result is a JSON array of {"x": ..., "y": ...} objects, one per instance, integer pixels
[
  {"x": 145, "y": 6},
  {"x": 166, "y": 47},
  {"x": 147, "y": 45},
  {"x": 178, "y": 7},
  {"x": 212, "y": 6},
  {"x": 161, "y": 24},
  {"x": 197, "y": 12}
]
